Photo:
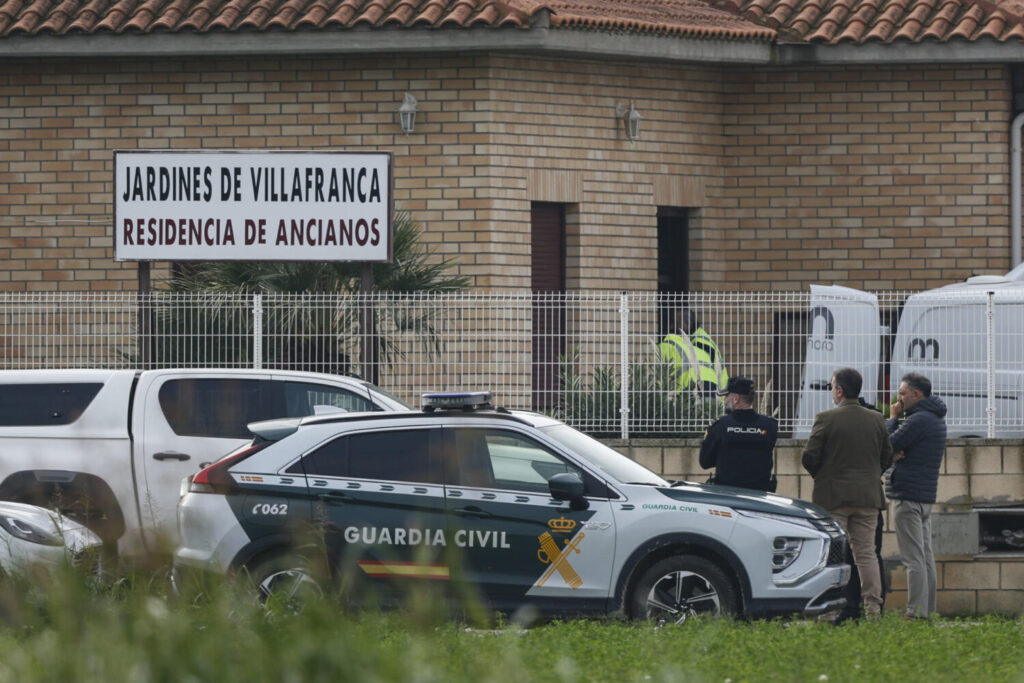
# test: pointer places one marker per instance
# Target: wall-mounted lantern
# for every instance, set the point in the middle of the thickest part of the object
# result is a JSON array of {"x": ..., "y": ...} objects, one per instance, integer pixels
[
  {"x": 407, "y": 114},
  {"x": 630, "y": 119}
]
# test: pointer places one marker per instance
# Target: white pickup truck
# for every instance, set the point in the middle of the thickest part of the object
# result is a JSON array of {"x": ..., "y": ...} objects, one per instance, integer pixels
[{"x": 110, "y": 447}]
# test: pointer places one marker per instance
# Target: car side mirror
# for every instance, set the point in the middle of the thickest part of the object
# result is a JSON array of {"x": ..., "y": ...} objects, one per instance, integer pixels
[{"x": 568, "y": 486}]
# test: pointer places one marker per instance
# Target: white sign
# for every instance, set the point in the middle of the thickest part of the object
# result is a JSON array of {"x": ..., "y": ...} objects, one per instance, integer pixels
[{"x": 252, "y": 206}]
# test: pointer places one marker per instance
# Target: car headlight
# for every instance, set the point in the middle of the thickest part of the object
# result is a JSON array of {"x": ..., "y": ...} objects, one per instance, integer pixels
[
  {"x": 795, "y": 553},
  {"x": 26, "y": 531},
  {"x": 784, "y": 552}
]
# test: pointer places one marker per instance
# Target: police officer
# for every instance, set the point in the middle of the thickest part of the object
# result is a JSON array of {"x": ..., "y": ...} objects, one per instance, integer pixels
[{"x": 739, "y": 444}]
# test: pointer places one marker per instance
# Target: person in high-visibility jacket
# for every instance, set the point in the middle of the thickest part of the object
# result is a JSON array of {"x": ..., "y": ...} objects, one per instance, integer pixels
[{"x": 698, "y": 362}]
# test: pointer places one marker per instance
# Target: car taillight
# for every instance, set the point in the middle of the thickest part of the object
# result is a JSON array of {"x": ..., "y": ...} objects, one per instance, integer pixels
[{"x": 215, "y": 478}]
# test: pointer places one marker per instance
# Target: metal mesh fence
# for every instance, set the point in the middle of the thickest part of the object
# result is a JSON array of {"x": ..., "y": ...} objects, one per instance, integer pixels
[{"x": 596, "y": 360}]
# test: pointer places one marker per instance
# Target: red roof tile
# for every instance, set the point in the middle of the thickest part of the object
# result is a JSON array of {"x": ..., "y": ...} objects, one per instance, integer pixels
[
  {"x": 112, "y": 19},
  {"x": 458, "y": 14},
  {"x": 86, "y": 16},
  {"x": 806, "y": 17},
  {"x": 256, "y": 15},
  {"x": 32, "y": 14},
  {"x": 229, "y": 14},
  {"x": 59, "y": 15},
  {"x": 886, "y": 21},
  {"x": 791, "y": 21},
  {"x": 429, "y": 13},
  {"x": 992, "y": 29},
  {"x": 314, "y": 15},
  {"x": 171, "y": 15},
  {"x": 341, "y": 14},
  {"x": 694, "y": 18}
]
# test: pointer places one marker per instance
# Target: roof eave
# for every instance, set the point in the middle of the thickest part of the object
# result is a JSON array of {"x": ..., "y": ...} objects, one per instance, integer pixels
[
  {"x": 537, "y": 40},
  {"x": 980, "y": 51},
  {"x": 660, "y": 47}
]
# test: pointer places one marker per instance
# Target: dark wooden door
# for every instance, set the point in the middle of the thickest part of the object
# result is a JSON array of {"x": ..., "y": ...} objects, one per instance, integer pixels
[{"x": 547, "y": 263}]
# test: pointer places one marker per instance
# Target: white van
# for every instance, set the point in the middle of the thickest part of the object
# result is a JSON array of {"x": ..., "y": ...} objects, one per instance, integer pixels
[
  {"x": 843, "y": 332},
  {"x": 943, "y": 335}
]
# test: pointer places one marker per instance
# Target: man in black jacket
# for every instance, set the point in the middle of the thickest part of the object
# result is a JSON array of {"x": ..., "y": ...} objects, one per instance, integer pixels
[
  {"x": 918, "y": 444},
  {"x": 739, "y": 445}
]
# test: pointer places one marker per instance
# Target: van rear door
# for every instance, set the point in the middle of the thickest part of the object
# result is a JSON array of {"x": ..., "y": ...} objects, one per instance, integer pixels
[{"x": 844, "y": 331}]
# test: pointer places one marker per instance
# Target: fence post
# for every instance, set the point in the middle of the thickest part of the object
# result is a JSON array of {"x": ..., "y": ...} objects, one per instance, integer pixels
[
  {"x": 370, "y": 347},
  {"x": 145, "y": 308},
  {"x": 624, "y": 365},
  {"x": 145, "y": 312},
  {"x": 257, "y": 331},
  {"x": 990, "y": 359}
]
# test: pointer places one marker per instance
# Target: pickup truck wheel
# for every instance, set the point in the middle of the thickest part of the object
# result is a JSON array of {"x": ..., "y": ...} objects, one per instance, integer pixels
[
  {"x": 286, "y": 583},
  {"x": 81, "y": 508},
  {"x": 682, "y": 586},
  {"x": 85, "y": 498}
]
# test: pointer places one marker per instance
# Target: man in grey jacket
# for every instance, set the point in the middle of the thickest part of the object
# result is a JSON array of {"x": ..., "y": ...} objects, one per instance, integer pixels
[
  {"x": 846, "y": 453},
  {"x": 919, "y": 443}
]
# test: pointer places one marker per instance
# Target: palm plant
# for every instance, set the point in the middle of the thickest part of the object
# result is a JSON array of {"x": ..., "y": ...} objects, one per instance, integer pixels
[
  {"x": 316, "y": 331},
  {"x": 411, "y": 270},
  {"x": 590, "y": 400}
]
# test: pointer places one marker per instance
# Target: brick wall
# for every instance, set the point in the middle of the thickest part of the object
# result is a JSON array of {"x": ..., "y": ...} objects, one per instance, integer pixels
[
  {"x": 61, "y": 121},
  {"x": 560, "y": 116},
  {"x": 483, "y": 126},
  {"x": 977, "y": 475},
  {"x": 861, "y": 176},
  {"x": 867, "y": 177}
]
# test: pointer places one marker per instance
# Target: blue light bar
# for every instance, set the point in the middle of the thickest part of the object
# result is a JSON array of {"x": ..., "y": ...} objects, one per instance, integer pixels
[{"x": 457, "y": 400}]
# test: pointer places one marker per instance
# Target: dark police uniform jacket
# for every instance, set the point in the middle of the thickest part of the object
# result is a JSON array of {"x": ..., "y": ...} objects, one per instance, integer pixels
[{"x": 739, "y": 446}]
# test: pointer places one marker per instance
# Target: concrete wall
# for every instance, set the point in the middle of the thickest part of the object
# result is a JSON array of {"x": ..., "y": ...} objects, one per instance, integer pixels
[{"x": 977, "y": 475}]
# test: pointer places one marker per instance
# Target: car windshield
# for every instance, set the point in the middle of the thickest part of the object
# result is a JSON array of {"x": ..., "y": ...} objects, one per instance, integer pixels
[
  {"x": 606, "y": 459},
  {"x": 386, "y": 394}
]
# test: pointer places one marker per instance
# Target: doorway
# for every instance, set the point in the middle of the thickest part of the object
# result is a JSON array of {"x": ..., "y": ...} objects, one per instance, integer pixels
[{"x": 547, "y": 280}]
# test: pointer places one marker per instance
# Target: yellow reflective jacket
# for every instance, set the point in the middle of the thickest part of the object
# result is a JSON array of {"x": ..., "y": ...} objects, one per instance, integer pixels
[{"x": 697, "y": 359}]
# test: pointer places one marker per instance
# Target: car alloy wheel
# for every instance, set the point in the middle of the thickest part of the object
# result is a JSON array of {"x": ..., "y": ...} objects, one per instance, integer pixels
[
  {"x": 680, "y": 594},
  {"x": 286, "y": 584},
  {"x": 680, "y": 587}
]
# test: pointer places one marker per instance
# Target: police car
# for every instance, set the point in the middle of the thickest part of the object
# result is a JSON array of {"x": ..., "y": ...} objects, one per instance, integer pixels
[{"x": 518, "y": 505}]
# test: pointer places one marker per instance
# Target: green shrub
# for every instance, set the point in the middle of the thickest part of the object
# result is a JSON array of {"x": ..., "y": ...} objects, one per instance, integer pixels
[{"x": 590, "y": 400}]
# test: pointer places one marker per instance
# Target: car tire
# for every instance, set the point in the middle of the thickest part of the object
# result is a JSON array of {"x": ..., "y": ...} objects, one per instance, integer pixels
[
  {"x": 682, "y": 586},
  {"x": 286, "y": 582}
]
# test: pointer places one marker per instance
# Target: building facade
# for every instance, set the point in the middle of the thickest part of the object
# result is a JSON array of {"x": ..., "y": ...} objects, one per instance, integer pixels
[{"x": 756, "y": 166}]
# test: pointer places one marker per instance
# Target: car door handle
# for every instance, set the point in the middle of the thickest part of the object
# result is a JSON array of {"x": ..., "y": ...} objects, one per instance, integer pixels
[
  {"x": 472, "y": 511},
  {"x": 171, "y": 455}
]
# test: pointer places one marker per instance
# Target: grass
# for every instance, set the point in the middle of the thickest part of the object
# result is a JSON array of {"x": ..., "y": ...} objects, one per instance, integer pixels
[{"x": 67, "y": 629}]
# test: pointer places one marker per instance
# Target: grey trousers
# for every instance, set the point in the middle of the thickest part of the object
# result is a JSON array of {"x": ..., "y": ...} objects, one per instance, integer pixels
[{"x": 914, "y": 534}]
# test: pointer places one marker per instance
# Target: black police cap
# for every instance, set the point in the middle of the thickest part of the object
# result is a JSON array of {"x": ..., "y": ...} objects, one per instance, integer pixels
[{"x": 738, "y": 385}]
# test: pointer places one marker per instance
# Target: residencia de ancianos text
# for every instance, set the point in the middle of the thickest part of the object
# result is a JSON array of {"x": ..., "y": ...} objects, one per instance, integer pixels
[{"x": 167, "y": 187}]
